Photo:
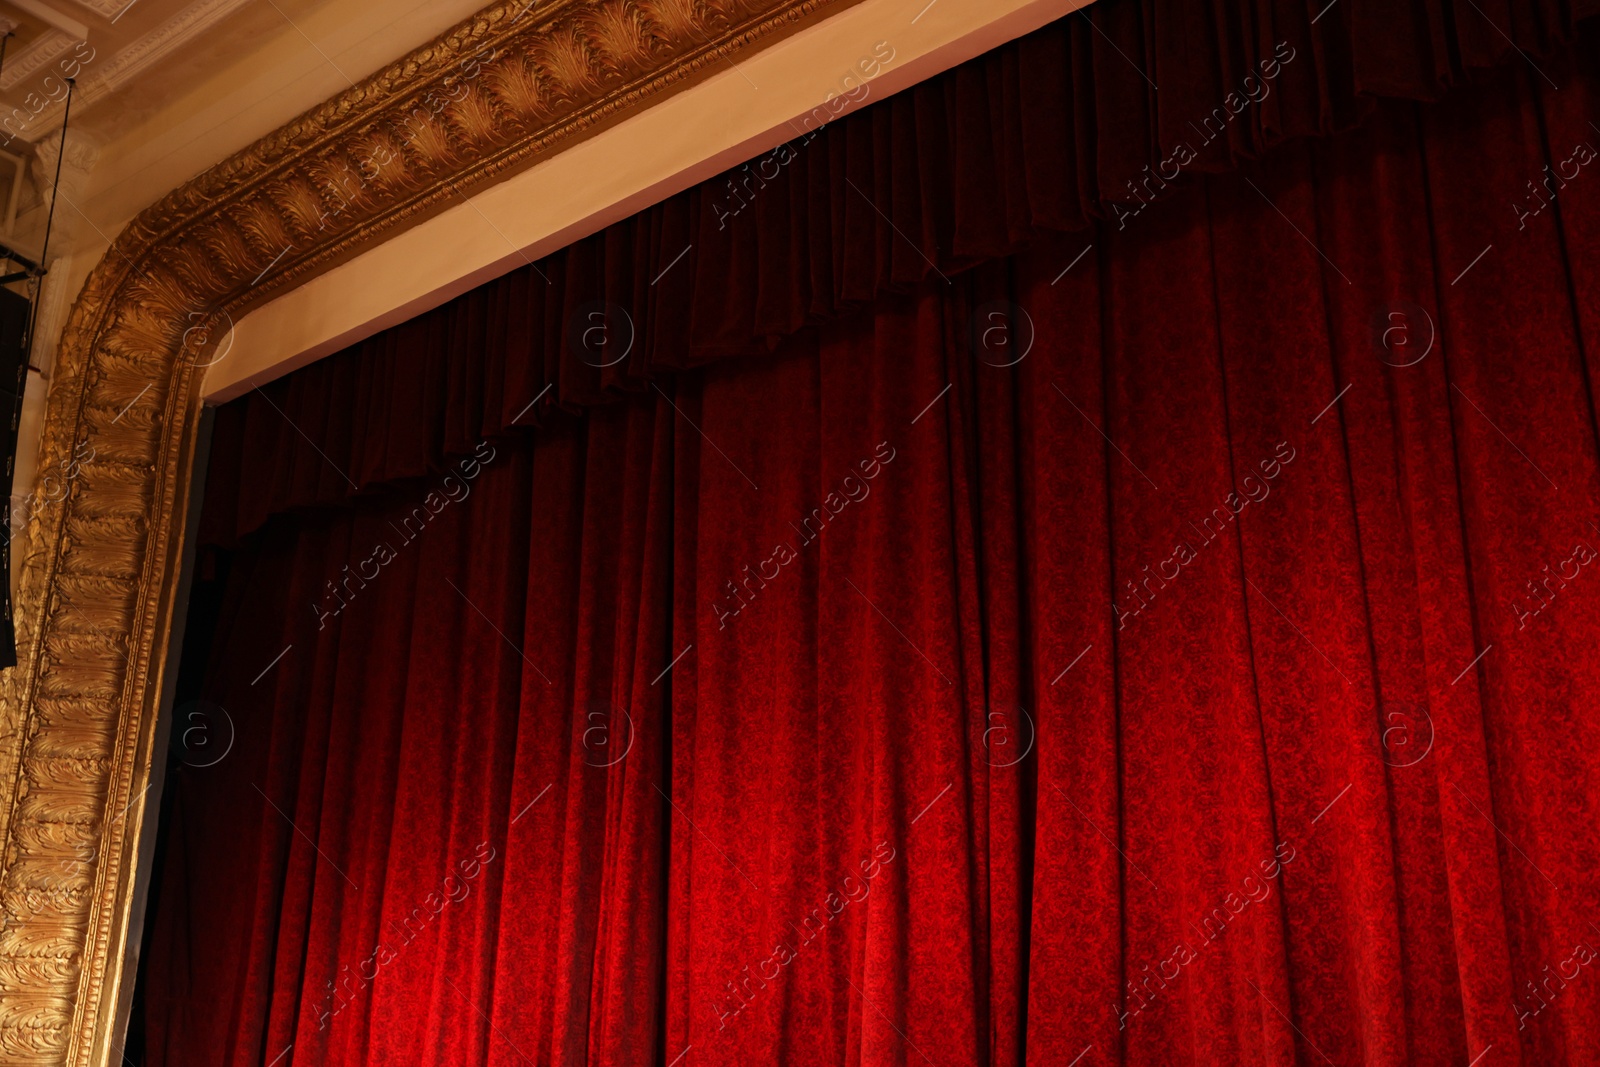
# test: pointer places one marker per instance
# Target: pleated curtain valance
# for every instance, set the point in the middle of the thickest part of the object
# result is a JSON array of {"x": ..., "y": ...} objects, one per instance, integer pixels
[{"x": 1084, "y": 121}]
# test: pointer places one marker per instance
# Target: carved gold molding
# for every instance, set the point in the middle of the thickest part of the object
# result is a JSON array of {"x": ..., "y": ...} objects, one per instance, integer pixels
[{"x": 98, "y": 591}]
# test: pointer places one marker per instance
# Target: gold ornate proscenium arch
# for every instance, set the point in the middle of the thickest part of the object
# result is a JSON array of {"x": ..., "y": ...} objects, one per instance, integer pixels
[{"x": 99, "y": 585}]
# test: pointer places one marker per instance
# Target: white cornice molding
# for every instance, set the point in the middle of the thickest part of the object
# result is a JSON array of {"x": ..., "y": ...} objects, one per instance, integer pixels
[{"x": 40, "y": 53}]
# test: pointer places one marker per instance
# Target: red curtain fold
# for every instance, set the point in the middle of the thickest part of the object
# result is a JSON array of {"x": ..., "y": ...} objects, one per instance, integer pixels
[
  {"x": 1050, "y": 133},
  {"x": 1163, "y": 645}
]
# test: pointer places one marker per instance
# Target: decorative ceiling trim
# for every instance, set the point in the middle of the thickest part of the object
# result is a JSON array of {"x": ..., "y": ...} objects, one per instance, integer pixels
[{"x": 102, "y": 549}]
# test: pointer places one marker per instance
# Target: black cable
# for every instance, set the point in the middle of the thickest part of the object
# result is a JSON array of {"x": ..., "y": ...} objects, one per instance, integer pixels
[
  {"x": 3, "y": 42},
  {"x": 50, "y": 219},
  {"x": 61, "y": 155}
]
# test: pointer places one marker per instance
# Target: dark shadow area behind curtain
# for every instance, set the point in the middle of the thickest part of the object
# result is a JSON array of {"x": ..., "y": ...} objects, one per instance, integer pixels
[{"x": 1166, "y": 645}]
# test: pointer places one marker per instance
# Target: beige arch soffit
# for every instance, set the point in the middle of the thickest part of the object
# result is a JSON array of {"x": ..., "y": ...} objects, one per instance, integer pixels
[
  {"x": 515, "y": 84},
  {"x": 733, "y": 114}
]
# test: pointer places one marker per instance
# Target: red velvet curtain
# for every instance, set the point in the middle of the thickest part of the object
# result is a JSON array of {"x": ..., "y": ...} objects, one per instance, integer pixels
[{"x": 1168, "y": 644}]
